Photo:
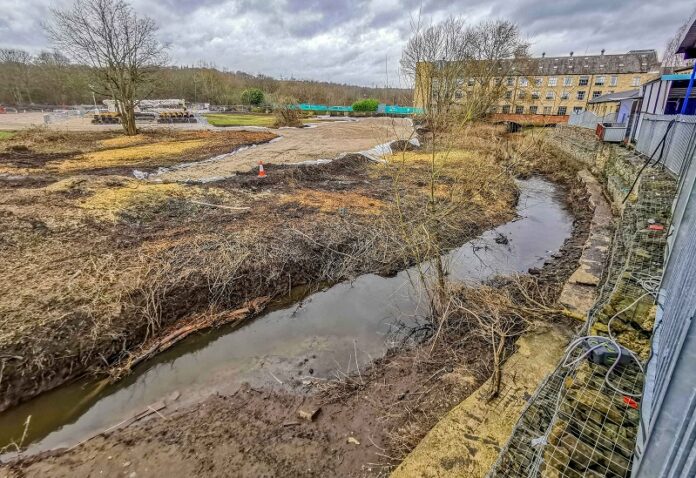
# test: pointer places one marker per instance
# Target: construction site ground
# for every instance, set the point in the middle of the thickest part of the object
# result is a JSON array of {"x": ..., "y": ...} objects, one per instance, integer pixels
[
  {"x": 100, "y": 265},
  {"x": 295, "y": 145},
  {"x": 34, "y": 119}
]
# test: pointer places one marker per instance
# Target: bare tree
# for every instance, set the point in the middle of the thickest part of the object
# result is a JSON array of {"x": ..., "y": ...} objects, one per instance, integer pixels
[
  {"x": 497, "y": 52},
  {"x": 119, "y": 45},
  {"x": 435, "y": 59},
  {"x": 460, "y": 68},
  {"x": 443, "y": 60},
  {"x": 15, "y": 74}
]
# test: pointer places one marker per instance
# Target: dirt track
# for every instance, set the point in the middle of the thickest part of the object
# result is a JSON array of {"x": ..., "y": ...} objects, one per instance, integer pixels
[{"x": 324, "y": 141}]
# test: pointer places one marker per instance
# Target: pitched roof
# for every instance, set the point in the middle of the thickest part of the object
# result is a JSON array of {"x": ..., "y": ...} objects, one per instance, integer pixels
[
  {"x": 618, "y": 96},
  {"x": 635, "y": 61}
]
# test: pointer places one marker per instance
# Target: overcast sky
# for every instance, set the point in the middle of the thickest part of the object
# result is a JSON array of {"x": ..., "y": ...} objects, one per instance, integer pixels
[{"x": 360, "y": 41}]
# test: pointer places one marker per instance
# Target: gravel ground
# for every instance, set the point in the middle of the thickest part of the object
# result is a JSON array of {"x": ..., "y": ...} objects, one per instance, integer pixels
[{"x": 325, "y": 141}]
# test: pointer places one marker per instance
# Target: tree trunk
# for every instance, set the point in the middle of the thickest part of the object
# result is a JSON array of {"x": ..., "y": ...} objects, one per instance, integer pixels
[
  {"x": 130, "y": 127},
  {"x": 126, "y": 110}
]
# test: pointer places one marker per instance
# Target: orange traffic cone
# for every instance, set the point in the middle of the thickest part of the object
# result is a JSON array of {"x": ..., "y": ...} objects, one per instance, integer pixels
[{"x": 262, "y": 173}]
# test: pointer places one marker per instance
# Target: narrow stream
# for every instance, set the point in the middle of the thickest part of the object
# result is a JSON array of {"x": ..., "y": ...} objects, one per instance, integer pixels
[{"x": 302, "y": 337}]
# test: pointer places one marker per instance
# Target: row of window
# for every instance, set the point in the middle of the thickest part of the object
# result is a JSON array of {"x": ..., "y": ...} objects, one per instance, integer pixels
[
  {"x": 599, "y": 80},
  {"x": 550, "y": 95},
  {"x": 533, "y": 110}
]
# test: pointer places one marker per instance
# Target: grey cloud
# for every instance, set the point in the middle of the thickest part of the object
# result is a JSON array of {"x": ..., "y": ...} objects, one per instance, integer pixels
[{"x": 348, "y": 41}]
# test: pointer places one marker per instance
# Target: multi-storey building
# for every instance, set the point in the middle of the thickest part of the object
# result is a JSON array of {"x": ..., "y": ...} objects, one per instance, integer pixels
[{"x": 563, "y": 84}]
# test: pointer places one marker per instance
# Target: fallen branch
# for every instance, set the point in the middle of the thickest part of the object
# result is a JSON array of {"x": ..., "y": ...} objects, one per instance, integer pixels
[
  {"x": 232, "y": 208},
  {"x": 206, "y": 321}
]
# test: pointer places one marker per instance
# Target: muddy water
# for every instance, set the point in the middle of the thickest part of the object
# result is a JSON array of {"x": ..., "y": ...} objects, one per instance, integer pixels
[{"x": 307, "y": 336}]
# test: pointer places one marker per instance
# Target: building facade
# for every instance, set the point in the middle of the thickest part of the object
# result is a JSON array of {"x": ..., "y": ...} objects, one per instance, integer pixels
[{"x": 565, "y": 84}]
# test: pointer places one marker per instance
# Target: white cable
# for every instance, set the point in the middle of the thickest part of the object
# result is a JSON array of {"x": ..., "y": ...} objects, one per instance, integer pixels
[{"x": 603, "y": 341}]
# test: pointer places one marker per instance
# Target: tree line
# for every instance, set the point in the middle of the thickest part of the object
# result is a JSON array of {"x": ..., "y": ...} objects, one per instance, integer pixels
[{"x": 50, "y": 78}]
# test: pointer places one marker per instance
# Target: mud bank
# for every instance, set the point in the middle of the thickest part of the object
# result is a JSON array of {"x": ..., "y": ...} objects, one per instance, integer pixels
[
  {"x": 263, "y": 412},
  {"x": 188, "y": 253}
]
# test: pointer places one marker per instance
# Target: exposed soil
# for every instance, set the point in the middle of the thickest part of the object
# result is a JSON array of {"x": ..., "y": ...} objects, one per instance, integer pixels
[
  {"x": 387, "y": 409},
  {"x": 325, "y": 141},
  {"x": 64, "y": 153},
  {"x": 96, "y": 265}
]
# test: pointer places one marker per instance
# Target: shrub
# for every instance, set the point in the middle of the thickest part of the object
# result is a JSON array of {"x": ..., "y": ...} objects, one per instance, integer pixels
[
  {"x": 287, "y": 113},
  {"x": 252, "y": 96},
  {"x": 369, "y": 104}
]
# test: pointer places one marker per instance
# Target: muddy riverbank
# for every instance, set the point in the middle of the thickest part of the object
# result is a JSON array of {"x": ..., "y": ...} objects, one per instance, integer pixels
[
  {"x": 256, "y": 430},
  {"x": 330, "y": 332},
  {"x": 97, "y": 264}
]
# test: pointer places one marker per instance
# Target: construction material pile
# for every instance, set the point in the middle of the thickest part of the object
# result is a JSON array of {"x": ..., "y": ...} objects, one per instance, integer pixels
[
  {"x": 176, "y": 117},
  {"x": 181, "y": 116}
]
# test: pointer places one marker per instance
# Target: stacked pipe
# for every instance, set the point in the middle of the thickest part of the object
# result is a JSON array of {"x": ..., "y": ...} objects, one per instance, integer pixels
[
  {"x": 176, "y": 117},
  {"x": 106, "y": 118}
]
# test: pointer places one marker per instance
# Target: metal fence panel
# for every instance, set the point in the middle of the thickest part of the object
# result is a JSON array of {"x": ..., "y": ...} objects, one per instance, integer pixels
[
  {"x": 587, "y": 119},
  {"x": 678, "y": 144},
  {"x": 681, "y": 144}
]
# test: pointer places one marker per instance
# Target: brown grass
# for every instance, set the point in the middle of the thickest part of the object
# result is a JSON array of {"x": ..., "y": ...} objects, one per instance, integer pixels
[
  {"x": 128, "y": 156},
  {"x": 123, "y": 141},
  {"x": 333, "y": 202},
  {"x": 94, "y": 265},
  {"x": 42, "y": 151}
]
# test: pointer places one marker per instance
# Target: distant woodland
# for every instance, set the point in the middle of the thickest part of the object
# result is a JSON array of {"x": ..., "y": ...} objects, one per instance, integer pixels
[{"x": 50, "y": 79}]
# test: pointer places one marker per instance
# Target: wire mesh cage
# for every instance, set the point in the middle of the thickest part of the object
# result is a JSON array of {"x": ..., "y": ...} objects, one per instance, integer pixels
[{"x": 583, "y": 420}]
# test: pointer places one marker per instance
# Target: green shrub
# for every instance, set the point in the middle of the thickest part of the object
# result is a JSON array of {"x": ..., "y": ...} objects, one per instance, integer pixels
[
  {"x": 252, "y": 96},
  {"x": 369, "y": 104}
]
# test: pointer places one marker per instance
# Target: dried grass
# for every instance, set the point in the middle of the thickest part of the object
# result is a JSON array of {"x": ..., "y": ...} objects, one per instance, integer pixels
[
  {"x": 129, "y": 156},
  {"x": 333, "y": 202},
  {"x": 123, "y": 141},
  {"x": 56, "y": 152},
  {"x": 530, "y": 153},
  {"x": 44, "y": 140},
  {"x": 81, "y": 290},
  {"x": 113, "y": 201}
]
